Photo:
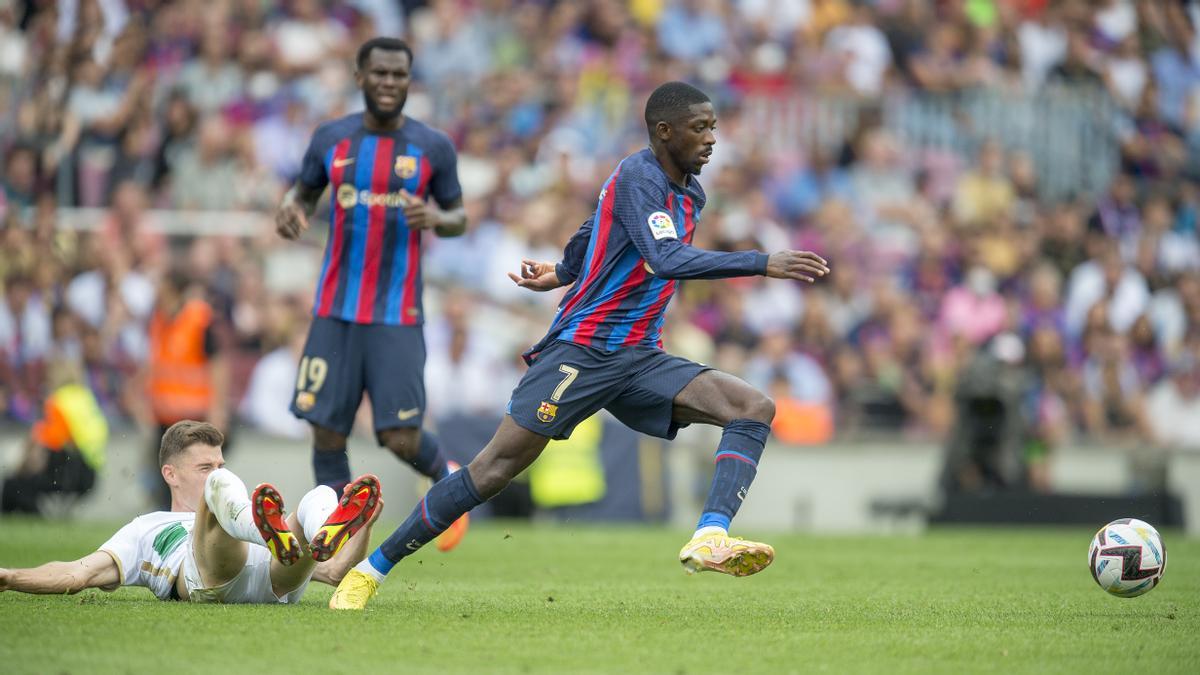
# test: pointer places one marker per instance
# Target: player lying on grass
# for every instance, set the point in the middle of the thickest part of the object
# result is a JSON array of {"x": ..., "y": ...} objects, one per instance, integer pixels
[
  {"x": 603, "y": 349},
  {"x": 217, "y": 543}
]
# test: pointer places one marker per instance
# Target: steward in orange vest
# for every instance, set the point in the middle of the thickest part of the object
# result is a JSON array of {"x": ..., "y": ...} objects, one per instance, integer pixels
[{"x": 185, "y": 376}]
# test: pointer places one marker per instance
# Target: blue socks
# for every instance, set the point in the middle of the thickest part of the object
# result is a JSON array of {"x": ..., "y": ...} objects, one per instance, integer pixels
[
  {"x": 442, "y": 505},
  {"x": 332, "y": 467},
  {"x": 429, "y": 461},
  {"x": 737, "y": 463}
]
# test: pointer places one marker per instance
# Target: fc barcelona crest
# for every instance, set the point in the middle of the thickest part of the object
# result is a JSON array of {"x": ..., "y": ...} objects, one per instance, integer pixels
[
  {"x": 406, "y": 166},
  {"x": 305, "y": 401},
  {"x": 546, "y": 412}
]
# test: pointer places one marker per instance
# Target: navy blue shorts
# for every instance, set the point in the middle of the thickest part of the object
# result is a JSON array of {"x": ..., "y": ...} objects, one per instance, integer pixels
[
  {"x": 569, "y": 383},
  {"x": 342, "y": 360}
]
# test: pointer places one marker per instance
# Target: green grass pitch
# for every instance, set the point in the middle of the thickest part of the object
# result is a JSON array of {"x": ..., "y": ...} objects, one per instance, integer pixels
[{"x": 569, "y": 598}]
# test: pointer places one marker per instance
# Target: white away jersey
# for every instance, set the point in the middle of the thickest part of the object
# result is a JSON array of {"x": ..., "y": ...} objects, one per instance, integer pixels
[{"x": 150, "y": 550}]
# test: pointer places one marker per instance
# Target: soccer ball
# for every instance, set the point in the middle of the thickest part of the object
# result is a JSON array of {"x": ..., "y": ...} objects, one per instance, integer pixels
[{"x": 1127, "y": 557}]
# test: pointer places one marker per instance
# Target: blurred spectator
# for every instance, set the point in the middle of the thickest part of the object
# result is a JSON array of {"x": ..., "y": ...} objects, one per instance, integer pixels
[
  {"x": 64, "y": 450},
  {"x": 271, "y": 388},
  {"x": 1173, "y": 406},
  {"x": 984, "y": 448},
  {"x": 1109, "y": 281},
  {"x": 306, "y": 39},
  {"x": 1080, "y": 68},
  {"x": 860, "y": 51},
  {"x": 205, "y": 177},
  {"x": 802, "y": 393},
  {"x": 1114, "y": 410},
  {"x": 986, "y": 193},
  {"x": 974, "y": 311},
  {"x": 464, "y": 364},
  {"x": 691, "y": 29},
  {"x": 25, "y": 342},
  {"x": 211, "y": 81}
]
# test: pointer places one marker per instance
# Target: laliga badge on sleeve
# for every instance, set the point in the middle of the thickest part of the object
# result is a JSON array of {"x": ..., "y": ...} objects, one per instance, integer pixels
[{"x": 661, "y": 225}]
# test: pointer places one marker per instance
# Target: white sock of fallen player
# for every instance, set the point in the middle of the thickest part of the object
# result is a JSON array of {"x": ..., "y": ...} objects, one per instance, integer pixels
[
  {"x": 314, "y": 509},
  {"x": 229, "y": 501}
]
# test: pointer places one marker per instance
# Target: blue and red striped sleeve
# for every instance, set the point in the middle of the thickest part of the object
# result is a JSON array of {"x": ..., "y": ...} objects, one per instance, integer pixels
[
  {"x": 640, "y": 207},
  {"x": 312, "y": 168},
  {"x": 576, "y": 249},
  {"x": 443, "y": 185}
]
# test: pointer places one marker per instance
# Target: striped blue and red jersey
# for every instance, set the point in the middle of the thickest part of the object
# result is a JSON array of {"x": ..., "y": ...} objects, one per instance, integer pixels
[
  {"x": 371, "y": 272},
  {"x": 626, "y": 260}
]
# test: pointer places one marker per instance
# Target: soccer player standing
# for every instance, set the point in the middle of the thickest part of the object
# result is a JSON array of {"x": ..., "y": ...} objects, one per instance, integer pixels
[
  {"x": 603, "y": 349},
  {"x": 367, "y": 332}
]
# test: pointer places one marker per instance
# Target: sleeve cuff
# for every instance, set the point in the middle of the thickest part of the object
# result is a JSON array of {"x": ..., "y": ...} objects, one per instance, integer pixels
[
  {"x": 564, "y": 277},
  {"x": 760, "y": 264}
]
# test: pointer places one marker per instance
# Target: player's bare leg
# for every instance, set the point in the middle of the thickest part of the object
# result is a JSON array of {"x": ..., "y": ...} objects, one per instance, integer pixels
[
  {"x": 510, "y": 451},
  {"x": 219, "y": 556},
  {"x": 745, "y": 413},
  {"x": 419, "y": 448},
  {"x": 353, "y": 514},
  {"x": 287, "y": 578},
  {"x": 228, "y": 520},
  {"x": 717, "y": 398}
]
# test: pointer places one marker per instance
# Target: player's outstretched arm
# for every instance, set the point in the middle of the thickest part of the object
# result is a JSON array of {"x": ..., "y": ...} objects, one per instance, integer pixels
[
  {"x": 95, "y": 570},
  {"x": 654, "y": 232},
  {"x": 296, "y": 207},
  {"x": 798, "y": 265},
  {"x": 670, "y": 258}
]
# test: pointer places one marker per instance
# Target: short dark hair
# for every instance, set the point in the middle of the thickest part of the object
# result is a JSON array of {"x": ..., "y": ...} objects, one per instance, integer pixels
[
  {"x": 387, "y": 44},
  {"x": 183, "y": 435},
  {"x": 671, "y": 100}
]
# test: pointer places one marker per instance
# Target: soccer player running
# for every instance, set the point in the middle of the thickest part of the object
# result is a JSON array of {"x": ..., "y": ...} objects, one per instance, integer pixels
[
  {"x": 366, "y": 332},
  {"x": 218, "y": 543},
  {"x": 603, "y": 349}
]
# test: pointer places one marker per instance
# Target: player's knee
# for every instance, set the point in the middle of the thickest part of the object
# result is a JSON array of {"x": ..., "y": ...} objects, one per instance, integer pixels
[
  {"x": 404, "y": 443},
  {"x": 759, "y": 408},
  {"x": 491, "y": 477},
  {"x": 328, "y": 438}
]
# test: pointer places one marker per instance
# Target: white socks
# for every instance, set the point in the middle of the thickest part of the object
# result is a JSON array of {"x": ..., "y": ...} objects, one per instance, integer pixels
[
  {"x": 368, "y": 569},
  {"x": 314, "y": 509},
  {"x": 229, "y": 501},
  {"x": 710, "y": 530}
]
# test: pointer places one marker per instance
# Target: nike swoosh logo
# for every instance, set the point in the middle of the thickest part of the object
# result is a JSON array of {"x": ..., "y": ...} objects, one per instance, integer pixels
[
  {"x": 408, "y": 414},
  {"x": 339, "y": 163}
]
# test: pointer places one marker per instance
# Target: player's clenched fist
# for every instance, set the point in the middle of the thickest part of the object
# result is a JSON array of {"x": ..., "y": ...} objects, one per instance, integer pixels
[
  {"x": 4, "y": 579},
  {"x": 799, "y": 265},
  {"x": 290, "y": 221}
]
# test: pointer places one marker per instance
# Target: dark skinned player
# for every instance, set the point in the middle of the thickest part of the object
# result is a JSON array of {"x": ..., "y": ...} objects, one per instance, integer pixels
[
  {"x": 603, "y": 349},
  {"x": 382, "y": 168}
]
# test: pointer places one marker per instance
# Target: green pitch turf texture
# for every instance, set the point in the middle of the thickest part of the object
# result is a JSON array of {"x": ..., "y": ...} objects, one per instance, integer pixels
[{"x": 569, "y": 598}]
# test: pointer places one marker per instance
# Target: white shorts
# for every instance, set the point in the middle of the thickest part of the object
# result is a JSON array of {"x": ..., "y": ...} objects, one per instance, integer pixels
[{"x": 251, "y": 586}]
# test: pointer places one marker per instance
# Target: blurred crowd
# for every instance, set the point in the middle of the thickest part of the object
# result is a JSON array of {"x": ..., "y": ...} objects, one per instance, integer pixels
[{"x": 1079, "y": 314}]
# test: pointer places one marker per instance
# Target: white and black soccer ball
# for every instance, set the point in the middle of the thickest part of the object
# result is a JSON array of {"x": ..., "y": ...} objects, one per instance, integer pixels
[{"x": 1127, "y": 557}]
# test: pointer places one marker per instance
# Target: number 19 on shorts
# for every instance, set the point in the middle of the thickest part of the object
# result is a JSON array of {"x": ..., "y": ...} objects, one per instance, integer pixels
[{"x": 310, "y": 379}]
